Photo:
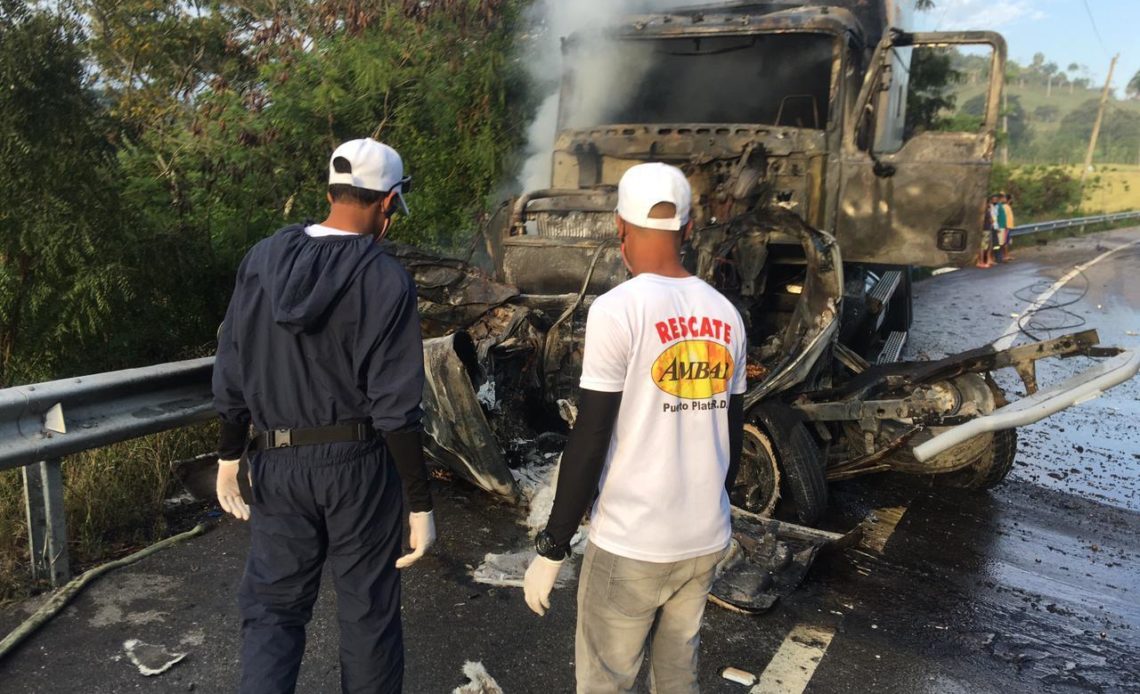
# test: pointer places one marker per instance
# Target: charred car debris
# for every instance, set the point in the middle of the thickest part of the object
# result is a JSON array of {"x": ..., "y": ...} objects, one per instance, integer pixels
[{"x": 812, "y": 201}]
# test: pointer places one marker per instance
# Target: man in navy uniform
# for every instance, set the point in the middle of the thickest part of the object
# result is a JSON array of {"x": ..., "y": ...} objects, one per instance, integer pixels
[{"x": 321, "y": 352}]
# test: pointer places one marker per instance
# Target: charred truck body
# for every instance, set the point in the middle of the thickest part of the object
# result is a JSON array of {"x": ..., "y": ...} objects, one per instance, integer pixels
[{"x": 805, "y": 129}]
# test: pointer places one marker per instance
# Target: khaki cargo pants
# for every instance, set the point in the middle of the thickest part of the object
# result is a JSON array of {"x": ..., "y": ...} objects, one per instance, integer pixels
[{"x": 625, "y": 606}]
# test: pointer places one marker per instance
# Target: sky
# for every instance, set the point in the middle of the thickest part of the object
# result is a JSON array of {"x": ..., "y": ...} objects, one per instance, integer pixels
[{"x": 1061, "y": 29}]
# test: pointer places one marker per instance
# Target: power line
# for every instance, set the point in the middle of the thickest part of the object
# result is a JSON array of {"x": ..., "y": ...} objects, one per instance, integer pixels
[{"x": 1096, "y": 31}]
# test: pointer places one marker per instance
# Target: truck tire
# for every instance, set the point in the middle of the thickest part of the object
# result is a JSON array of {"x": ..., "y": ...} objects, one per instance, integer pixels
[
  {"x": 757, "y": 488},
  {"x": 995, "y": 463},
  {"x": 798, "y": 489},
  {"x": 989, "y": 470}
]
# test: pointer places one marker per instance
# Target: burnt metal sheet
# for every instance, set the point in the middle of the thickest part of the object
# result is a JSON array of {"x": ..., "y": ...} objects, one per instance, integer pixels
[
  {"x": 760, "y": 17},
  {"x": 882, "y": 377},
  {"x": 553, "y": 266},
  {"x": 452, "y": 294},
  {"x": 768, "y": 559},
  {"x": 459, "y": 436},
  {"x": 698, "y": 143}
]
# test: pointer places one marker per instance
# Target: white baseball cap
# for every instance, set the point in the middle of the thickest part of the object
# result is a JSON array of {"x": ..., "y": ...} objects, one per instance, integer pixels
[
  {"x": 646, "y": 185},
  {"x": 372, "y": 165}
]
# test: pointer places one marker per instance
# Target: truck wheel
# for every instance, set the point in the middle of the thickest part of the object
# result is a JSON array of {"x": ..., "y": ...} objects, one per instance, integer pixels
[
  {"x": 781, "y": 467},
  {"x": 989, "y": 470},
  {"x": 757, "y": 487}
]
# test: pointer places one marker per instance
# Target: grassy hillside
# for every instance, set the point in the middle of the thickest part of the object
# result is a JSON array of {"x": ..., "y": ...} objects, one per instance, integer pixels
[
  {"x": 1044, "y": 116},
  {"x": 1116, "y": 189},
  {"x": 1033, "y": 97}
]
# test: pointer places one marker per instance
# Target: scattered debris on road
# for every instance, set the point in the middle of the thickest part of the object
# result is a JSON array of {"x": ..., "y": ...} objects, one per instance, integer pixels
[
  {"x": 739, "y": 676},
  {"x": 480, "y": 681},
  {"x": 150, "y": 659}
]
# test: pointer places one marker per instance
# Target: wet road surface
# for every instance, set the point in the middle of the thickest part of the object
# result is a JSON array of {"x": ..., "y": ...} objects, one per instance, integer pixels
[{"x": 1031, "y": 587}]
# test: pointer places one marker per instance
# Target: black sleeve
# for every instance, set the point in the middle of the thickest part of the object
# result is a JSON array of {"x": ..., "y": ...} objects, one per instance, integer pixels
[
  {"x": 229, "y": 398},
  {"x": 582, "y": 462},
  {"x": 735, "y": 439},
  {"x": 232, "y": 440},
  {"x": 407, "y": 451}
]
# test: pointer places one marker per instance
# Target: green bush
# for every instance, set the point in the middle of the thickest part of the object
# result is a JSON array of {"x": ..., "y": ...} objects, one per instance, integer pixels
[
  {"x": 147, "y": 144},
  {"x": 1039, "y": 192}
]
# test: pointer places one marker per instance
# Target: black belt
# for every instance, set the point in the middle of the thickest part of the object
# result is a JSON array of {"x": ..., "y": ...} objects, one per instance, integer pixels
[{"x": 333, "y": 433}]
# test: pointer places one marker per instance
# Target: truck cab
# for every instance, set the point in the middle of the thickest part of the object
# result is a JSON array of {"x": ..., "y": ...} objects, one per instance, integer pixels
[
  {"x": 773, "y": 110},
  {"x": 829, "y": 150}
]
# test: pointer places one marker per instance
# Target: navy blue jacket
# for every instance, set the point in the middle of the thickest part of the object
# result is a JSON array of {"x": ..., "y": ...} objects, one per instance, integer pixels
[{"x": 320, "y": 330}]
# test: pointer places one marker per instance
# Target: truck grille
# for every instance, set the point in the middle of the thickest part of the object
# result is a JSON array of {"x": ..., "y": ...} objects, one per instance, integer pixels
[{"x": 574, "y": 225}]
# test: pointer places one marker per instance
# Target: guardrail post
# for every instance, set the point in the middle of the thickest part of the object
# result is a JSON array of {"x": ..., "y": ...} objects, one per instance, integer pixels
[
  {"x": 37, "y": 520},
  {"x": 47, "y": 523}
]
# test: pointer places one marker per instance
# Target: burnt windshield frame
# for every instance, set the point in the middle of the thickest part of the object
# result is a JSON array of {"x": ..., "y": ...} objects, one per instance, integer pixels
[{"x": 739, "y": 102}]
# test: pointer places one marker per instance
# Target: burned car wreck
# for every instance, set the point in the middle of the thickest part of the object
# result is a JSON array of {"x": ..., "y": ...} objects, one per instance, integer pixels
[{"x": 813, "y": 197}]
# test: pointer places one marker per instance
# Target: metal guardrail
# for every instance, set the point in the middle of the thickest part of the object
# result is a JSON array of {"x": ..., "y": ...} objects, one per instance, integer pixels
[
  {"x": 1025, "y": 229},
  {"x": 42, "y": 423}
]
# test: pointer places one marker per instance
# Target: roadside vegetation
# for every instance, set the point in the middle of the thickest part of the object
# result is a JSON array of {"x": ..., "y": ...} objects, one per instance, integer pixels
[
  {"x": 147, "y": 144},
  {"x": 1046, "y": 122},
  {"x": 114, "y": 499}
]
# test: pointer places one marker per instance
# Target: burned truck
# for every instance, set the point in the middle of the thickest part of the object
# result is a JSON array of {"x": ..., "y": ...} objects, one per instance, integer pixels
[{"x": 821, "y": 176}]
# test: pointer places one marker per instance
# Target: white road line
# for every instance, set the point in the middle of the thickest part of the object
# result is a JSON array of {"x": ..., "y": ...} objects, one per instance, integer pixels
[
  {"x": 795, "y": 662},
  {"x": 792, "y": 667},
  {"x": 1014, "y": 328}
]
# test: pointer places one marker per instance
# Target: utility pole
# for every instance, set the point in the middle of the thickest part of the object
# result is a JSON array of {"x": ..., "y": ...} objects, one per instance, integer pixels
[
  {"x": 1099, "y": 118},
  {"x": 1005, "y": 125}
]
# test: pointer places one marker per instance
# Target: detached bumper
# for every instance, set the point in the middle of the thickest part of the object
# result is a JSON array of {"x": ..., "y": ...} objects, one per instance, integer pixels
[{"x": 1084, "y": 386}]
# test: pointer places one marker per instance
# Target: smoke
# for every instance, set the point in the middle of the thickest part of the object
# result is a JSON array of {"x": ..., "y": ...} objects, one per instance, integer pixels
[{"x": 603, "y": 70}]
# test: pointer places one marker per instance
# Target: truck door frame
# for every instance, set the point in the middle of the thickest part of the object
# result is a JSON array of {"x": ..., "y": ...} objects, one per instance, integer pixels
[{"x": 923, "y": 203}]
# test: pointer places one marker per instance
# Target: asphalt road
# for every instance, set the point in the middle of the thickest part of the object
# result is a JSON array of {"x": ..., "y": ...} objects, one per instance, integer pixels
[{"x": 1031, "y": 587}]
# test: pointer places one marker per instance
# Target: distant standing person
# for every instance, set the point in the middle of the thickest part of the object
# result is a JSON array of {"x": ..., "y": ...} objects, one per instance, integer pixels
[
  {"x": 1001, "y": 227},
  {"x": 989, "y": 233},
  {"x": 658, "y": 437},
  {"x": 321, "y": 350},
  {"x": 1007, "y": 203}
]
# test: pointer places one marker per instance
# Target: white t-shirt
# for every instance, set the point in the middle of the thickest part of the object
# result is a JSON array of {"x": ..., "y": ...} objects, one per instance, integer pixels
[
  {"x": 676, "y": 349},
  {"x": 318, "y": 230}
]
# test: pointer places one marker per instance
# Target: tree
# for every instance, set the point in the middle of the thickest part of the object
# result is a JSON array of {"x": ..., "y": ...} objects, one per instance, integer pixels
[
  {"x": 61, "y": 277},
  {"x": 1019, "y": 132},
  {"x": 173, "y": 134},
  {"x": 1014, "y": 73},
  {"x": 929, "y": 94},
  {"x": 1119, "y": 133},
  {"x": 1073, "y": 69},
  {"x": 1050, "y": 70},
  {"x": 1046, "y": 113},
  {"x": 1133, "y": 88}
]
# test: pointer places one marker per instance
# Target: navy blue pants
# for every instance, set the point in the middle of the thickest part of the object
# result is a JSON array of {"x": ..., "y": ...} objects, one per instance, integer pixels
[{"x": 343, "y": 503}]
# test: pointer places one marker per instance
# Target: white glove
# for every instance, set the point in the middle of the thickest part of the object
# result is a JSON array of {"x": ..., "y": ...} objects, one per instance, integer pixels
[
  {"x": 538, "y": 583},
  {"x": 229, "y": 493},
  {"x": 421, "y": 537}
]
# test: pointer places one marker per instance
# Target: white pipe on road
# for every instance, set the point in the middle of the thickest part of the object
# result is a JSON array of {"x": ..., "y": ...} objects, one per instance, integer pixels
[{"x": 1084, "y": 386}]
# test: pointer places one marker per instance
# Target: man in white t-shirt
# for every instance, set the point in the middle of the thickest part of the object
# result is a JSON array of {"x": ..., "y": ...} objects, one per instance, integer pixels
[{"x": 658, "y": 437}]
